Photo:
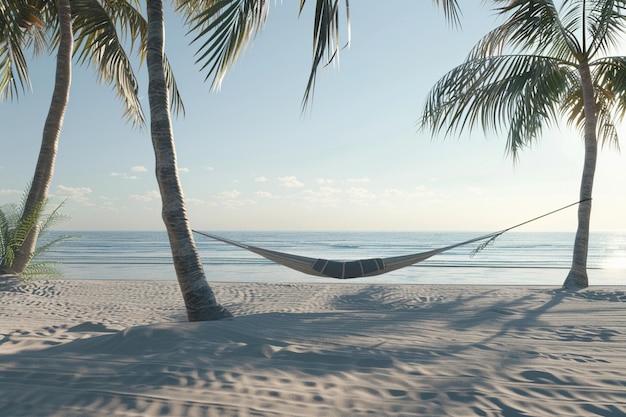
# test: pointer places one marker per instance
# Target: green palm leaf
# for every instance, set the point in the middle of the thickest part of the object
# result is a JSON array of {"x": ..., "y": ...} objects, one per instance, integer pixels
[
  {"x": 543, "y": 64},
  {"x": 15, "y": 228},
  {"x": 20, "y": 28}
]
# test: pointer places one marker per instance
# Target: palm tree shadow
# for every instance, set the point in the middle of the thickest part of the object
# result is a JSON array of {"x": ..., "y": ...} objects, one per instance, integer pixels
[{"x": 530, "y": 318}]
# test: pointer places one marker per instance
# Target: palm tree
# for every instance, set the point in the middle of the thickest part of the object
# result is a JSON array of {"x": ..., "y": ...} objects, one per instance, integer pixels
[
  {"x": 225, "y": 27},
  {"x": 199, "y": 299},
  {"x": 97, "y": 25},
  {"x": 542, "y": 64},
  {"x": 52, "y": 129}
]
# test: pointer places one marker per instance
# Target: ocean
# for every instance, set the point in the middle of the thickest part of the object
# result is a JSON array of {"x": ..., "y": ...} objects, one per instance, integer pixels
[{"x": 515, "y": 258}]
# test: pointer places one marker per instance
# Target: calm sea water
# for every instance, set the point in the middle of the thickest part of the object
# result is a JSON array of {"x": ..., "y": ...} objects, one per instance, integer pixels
[{"x": 514, "y": 258}]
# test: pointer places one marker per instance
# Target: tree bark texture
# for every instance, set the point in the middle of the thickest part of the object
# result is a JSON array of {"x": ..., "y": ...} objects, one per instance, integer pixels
[{"x": 199, "y": 298}]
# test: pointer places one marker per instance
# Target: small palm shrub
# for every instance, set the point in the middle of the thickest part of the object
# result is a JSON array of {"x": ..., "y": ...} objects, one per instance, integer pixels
[{"x": 14, "y": 230}]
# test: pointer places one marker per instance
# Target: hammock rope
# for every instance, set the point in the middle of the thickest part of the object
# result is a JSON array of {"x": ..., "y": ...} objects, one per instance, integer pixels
[{"x": 366, "y": 267}]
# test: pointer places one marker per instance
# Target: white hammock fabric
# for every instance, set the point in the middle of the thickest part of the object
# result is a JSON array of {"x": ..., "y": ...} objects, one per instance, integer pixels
[{"x": 344, "y": 269}]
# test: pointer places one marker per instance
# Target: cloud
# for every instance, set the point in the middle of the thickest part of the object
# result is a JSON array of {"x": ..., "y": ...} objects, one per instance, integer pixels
[
  {"x": 322, "y": 181},
  {"x": 360, "y": 195},
  {"x": 124, "y": 175},
  {"x": 145, "y": 197},
  {"x": 263, "y": 194},
  {"x": 78, "y": 194},
  {"x": 224, "y": 195},
  {"x": 238, "y": 203},
  {"x": 184, "y": 169},
  {"x": 9, "y": 192},
  {"x": 261, "y": 179},
  {"x": 324, "y": 196},
  {"x": 200, "y": 202},
  {"x": 231, "y": 199},
  {"x": 394, "y": 192},
  {"x": 110, "y": 204},
  {"x": 290, "y": 182}
]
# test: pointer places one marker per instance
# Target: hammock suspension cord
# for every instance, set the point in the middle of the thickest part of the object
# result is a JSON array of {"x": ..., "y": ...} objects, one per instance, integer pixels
[{"x": 366, "y": 267}]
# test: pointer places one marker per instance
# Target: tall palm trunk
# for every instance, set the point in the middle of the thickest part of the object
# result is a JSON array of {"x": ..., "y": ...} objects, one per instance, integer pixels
[
  {"x": 199, "y": 299},
  {"x": 44, "y": 170},
  {"x": 577, "y": 277}
]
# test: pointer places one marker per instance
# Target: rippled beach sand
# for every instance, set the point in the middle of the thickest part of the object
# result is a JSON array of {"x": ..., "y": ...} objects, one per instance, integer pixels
[{"x": 123, "y": 348}]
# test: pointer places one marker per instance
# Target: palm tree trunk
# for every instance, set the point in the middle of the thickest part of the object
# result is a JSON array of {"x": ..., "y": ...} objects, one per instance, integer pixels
[
  {"x": 577, "y": 277},
  {"x": 199, "y": 299},
  {"x": 44, "y": 170}
]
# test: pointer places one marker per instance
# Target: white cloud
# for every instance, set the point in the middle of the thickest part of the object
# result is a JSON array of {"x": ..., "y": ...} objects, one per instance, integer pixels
[
  {"x": 78, "y": 194},
  {"x": 261, "y": 179},
  {"x": 360, "y": 195},
  {"x": 231, "y": 199},
  {"x": 325, "y": 196},
  {"x": 415, "y": 192},
  {"x": 124, "y": 175},
  {"x": 110, "y": 205},
  {"x": 224, "y": 195},
  {"x": 394, "y": 192},
  {"x": 199, "y": 202},
  {"x": 145, "y": 197},
  {"x": 324, "y": 181},
  {"x": 184, "y": 169},
  {"x": 263, "y": 194},
  {"x": 234, "y": 203},
  {"x": 290, "y": 182},
  {"x": 9, "y": 192}
]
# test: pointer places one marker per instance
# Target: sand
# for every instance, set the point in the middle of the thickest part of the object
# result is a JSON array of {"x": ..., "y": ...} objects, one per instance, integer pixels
[{"x": 123, "y": 348}]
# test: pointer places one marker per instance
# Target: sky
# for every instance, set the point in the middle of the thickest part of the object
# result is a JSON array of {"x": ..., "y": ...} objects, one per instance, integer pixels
[{"x": 250, "y": 159}]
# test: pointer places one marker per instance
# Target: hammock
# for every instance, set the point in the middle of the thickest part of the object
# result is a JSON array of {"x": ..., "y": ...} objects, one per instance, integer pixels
[{"x": 364, "y": 267}]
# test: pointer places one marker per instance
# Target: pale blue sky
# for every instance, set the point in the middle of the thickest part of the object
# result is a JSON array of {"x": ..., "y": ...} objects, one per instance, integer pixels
[{"x": 250, "y": 160}]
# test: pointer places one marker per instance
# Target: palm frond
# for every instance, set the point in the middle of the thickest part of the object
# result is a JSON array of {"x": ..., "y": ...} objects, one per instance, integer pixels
[
  {"x": 531, "y": 26},
  {"x": 519, "y": 93},
  {"x": 14, "y": 230},
  {"x": 609, "y": 76},
  {"x": 176, "y": 101},
  {"x": 223, "y": 29},
  {"x": 451, "y": 10},
  {"x": 45, "y": 223},
  {"x": 20, "y": 28},
  {"x": 326, "y": 39},
  {"x": 6, "y": 250},
  {"x": 41, "y": 270},
  {"x": 605, "y": 24},
  {"x": 609, "y": 79},
  {"x": 98, "y": 44}
]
